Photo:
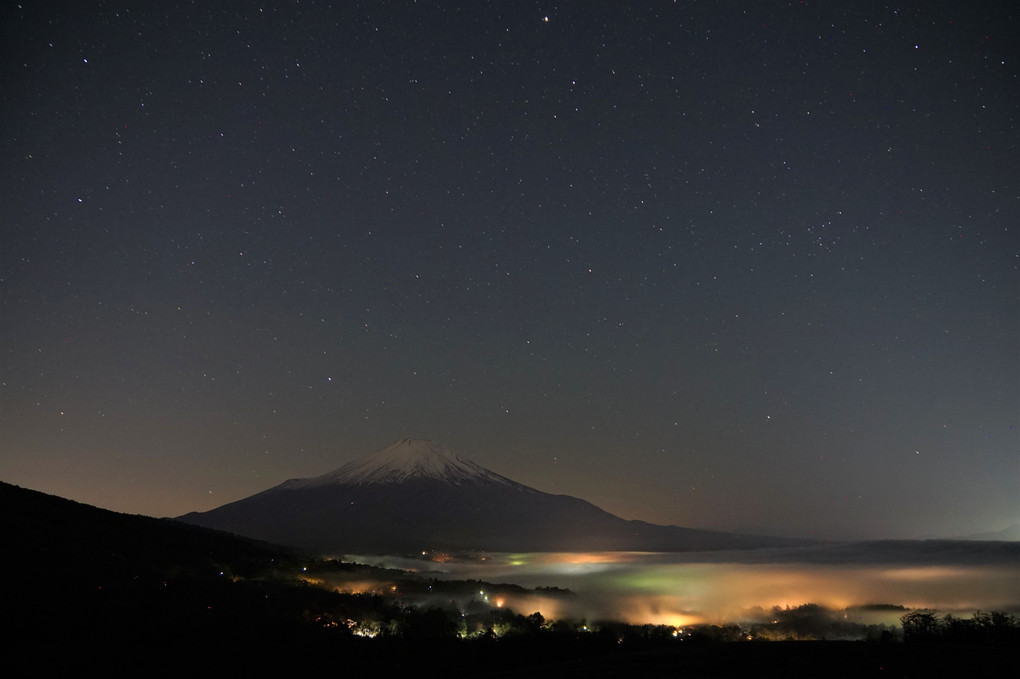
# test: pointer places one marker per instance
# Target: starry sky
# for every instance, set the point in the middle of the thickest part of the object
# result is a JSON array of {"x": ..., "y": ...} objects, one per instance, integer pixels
[{"x": 734, "y": 265}]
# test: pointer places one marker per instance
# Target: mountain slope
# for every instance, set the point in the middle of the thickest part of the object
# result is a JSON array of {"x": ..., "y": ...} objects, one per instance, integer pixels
[
  {"x": 1007, "y": 534},
  {"x": 415, "y": 495},
  {"x": 405, "y": 460},
  {"x": 53, "y": 537},
  {"x": 82, "y": 583}
]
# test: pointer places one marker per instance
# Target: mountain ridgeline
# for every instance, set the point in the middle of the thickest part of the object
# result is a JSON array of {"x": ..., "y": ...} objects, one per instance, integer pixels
[{"x": 415, "y": 495}]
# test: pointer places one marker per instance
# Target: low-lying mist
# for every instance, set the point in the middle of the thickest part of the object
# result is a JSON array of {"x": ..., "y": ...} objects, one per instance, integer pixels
[{"x": 867, "y": 584}]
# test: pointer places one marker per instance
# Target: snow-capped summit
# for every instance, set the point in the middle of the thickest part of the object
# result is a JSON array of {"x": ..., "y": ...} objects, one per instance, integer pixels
[
  {"x": 402, "y": 461},
  {"x": 416, "y": 495}
]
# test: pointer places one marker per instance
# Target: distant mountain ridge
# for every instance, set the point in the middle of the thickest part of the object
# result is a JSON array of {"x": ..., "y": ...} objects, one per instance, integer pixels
[
  {"x": 1008, "y": 534},
  {"x": 416, "y": 495}
]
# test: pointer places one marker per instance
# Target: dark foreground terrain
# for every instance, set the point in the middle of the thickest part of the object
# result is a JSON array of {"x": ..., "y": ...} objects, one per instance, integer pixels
[
  {"x": 272, "y": 655},
  {"x": 90, "y": 592},
  {"x": 781, "y": 659}
]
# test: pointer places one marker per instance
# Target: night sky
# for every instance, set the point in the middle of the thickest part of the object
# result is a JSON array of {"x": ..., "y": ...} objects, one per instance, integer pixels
[{"x": 736, "y": 265}]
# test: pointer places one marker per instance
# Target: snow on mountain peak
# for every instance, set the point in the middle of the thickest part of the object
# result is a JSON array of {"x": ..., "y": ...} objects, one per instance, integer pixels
[{"x": 404, "y": 460}]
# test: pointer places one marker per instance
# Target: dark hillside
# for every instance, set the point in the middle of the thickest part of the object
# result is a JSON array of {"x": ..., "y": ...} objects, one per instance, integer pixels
[{"x": 56, "y": 536}]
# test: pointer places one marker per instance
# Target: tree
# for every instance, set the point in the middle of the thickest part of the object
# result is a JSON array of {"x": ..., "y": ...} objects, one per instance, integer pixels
[{"x": 922, "y": 625}]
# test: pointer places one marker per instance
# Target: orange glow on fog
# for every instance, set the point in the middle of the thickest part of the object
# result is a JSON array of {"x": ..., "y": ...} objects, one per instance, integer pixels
[
  {"x": 361, "y": 586},
  {"x": 924, "y": 573},
  {"x": 592, "y": 557},
  {"x": 657, "y": 611},
  {"x": 663, "y": 589}
]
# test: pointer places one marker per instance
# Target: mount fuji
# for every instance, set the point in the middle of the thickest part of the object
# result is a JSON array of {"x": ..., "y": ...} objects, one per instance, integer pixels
[{"x": 416, "y": 495}]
